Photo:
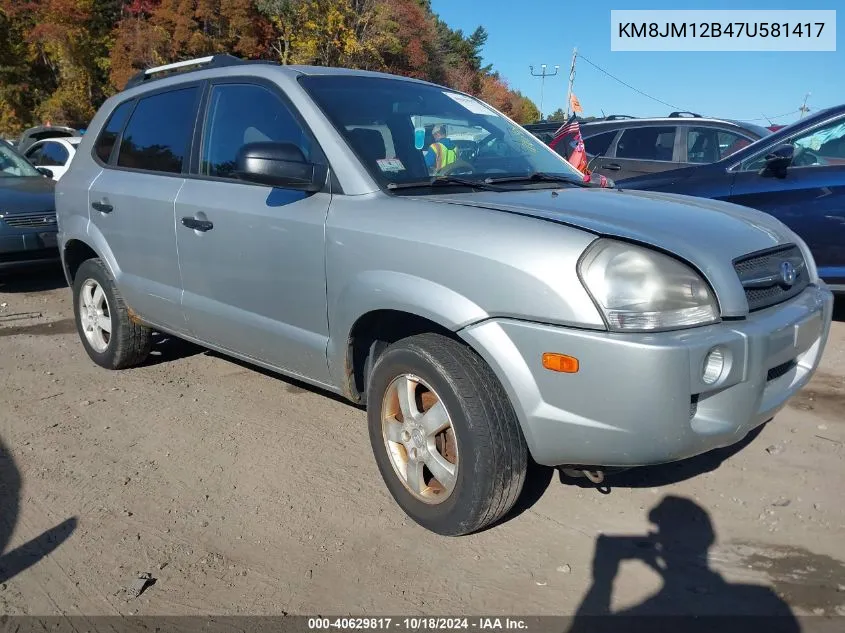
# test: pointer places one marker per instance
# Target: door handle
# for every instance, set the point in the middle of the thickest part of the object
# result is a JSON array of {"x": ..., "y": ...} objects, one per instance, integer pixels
[
  {"x": 611, "y": 166},
  {"x": 836, "y": 218},
  {"x": 102, "y": 207},
  {"x": 197, "y": 225}
]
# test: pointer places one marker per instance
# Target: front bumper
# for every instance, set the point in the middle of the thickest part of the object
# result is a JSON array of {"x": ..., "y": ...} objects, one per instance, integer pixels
[
  {"x": 27, "y": 247},
  {"x": 639, "y": 399}
]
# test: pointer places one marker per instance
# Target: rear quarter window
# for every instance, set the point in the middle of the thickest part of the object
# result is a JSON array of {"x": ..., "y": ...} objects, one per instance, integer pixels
[{"x": 108, "y": 136}]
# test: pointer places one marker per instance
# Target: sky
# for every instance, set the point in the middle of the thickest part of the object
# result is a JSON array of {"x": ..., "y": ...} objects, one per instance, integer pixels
[{"x": 736, "y": 85}]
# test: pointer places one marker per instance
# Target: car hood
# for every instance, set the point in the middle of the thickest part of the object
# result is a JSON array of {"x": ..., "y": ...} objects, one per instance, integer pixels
[
  {"x": 24, "y": 195},
  {"x": 708, "y": 234}
]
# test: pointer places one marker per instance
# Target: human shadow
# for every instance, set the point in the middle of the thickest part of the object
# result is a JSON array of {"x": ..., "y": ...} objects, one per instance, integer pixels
[
  {"x": 693, "y": 597},
  {"x": 25, "y": 556}
]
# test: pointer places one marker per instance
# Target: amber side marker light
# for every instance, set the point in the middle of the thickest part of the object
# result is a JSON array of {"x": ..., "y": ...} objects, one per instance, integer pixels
[{"x": 560, "y": 362}]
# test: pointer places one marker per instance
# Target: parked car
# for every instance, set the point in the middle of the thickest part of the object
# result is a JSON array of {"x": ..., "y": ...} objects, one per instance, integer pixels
[
  {"x": 546, "y": 131},
  {"x": 622, "y": 147},
  {"x": 53, "y": 154},
  {"x": 481, "y": 314},
  {"x": 27, "y": 213},
  {"x": 797, "y": 174},
  {"x": 40, "y": 132}
]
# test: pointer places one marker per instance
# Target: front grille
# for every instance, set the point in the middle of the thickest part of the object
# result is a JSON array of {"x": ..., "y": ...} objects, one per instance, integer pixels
[
  {"x": 39, "y": 219},
  {"x": 765, "y": 276},
  {"x": 781, "y": 370}
]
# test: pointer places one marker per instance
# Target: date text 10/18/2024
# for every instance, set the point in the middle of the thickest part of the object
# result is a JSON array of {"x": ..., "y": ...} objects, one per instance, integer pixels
[{"x": 418, "y": 623}]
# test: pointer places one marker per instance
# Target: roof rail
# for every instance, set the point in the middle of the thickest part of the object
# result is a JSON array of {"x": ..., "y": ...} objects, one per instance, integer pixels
[
  {"x": 200, "y": 63},
  {"x": 683, "y": 114},
  {"x": 617, "y": 117}
]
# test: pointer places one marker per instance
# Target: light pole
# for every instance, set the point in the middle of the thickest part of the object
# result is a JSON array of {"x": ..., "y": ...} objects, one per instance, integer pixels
[{"x": 543, "y": 74}]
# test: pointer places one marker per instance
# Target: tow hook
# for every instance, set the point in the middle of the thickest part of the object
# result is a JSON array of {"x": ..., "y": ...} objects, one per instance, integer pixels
[{"x": 595, "y": 476}]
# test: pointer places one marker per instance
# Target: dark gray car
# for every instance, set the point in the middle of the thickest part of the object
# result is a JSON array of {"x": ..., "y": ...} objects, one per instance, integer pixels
[
  {"x": 27, "y": 213},
  {"x": 624, "y": 147}
]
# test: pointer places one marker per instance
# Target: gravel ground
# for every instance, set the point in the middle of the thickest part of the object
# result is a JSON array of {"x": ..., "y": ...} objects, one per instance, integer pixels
[{"x": 241, "y": 492}]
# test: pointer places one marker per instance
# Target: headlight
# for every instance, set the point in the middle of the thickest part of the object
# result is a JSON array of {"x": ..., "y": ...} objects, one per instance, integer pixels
[{"x": 640, "y": 290}]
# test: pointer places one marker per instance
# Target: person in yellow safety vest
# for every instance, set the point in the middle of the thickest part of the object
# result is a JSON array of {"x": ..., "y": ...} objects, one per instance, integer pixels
[{"x": 442, "y": 152}]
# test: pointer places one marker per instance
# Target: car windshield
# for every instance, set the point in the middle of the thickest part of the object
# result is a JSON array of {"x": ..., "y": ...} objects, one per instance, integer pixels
[
  {"x": 408, "y": 132},
  {"x": 14, "y": 165}
]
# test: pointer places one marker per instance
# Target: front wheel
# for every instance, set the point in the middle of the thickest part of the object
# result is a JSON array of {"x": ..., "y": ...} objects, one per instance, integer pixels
[{"x": 444, "y": 434}]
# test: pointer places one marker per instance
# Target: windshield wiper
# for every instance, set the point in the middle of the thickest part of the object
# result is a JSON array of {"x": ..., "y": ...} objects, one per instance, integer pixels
[
  {"x": 539, "y": 176},
  {"x": 444, "y": 181}
]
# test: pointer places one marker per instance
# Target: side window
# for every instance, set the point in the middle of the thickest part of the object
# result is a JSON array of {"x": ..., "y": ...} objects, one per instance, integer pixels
[
  {"x": 702, "y": 145},
  {"x": 33, "y": 155},
  {"x": 647, "y": 143},
  {"x": 54, "y": 155},
  {"x": 243, "y": 113},
  {"x": 822, "y": 146},
  {"x": 600, "y": 143},
  {"x": 819, "y": 147},
  {"x": 108, "y": 137},
  {"x": 159, "y": 132},
  {"x": 730, "y": 143}
]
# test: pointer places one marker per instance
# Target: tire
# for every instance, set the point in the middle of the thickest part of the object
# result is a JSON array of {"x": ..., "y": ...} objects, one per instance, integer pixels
[
  {"x": 484, "y": 437},
  {"x": 128, "y": 343}
]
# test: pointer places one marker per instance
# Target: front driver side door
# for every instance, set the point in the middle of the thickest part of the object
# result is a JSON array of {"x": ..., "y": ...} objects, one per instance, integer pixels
[
  {"x": 254, "y": 280},
  {"x": 810, "y": 199}
]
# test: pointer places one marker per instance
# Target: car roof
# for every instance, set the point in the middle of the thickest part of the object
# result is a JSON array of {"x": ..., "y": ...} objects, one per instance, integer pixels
[
  {"x": 705, "y": 121},
  {"x": 223, "y": 64}
]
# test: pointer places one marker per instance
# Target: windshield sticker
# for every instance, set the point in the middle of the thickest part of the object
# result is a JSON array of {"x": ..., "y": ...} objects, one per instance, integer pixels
[
  {"x": 476, "y": 107},
  {"x": 390, "y": 164}
]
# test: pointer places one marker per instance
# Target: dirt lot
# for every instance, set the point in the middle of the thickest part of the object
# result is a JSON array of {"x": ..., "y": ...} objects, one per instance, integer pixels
[{"x": 241, "y": 492}]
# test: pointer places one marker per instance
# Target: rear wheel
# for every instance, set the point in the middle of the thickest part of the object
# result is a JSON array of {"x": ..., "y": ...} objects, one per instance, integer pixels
[
  {"x": 110, "y": 337},
  {"x": 444, "y": 435}
]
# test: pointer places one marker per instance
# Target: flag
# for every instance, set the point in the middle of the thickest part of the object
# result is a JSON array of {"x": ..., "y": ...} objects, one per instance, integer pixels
[
  {"x": 568, "y": 137},
  {"x": 575, "y": 105},
  {"x": 569, "y": 134}
]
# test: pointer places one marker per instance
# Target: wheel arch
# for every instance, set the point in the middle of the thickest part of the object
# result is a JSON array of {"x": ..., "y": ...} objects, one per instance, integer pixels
[
  {"x": 381, "y": 307},
  {"x": 79, "y": 246}
]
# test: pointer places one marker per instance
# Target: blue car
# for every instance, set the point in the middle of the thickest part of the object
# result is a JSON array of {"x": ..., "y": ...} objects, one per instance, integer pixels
[
  {"x": 28, "y": 226},
  {"x": 796, "y": 174}
]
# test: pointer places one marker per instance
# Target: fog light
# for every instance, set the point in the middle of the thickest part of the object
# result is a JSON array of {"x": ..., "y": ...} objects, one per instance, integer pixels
[{"x": 714, "y": 363}]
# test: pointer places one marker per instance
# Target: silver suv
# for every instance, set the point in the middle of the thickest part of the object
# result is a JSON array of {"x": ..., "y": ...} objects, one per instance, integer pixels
[{"x": 410, "y": 248}]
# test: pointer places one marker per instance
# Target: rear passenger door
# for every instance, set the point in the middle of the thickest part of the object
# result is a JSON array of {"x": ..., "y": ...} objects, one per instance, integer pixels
[
  {"x": 641, "y": 150},
  {"x": 254, "y": 277},
  {"x": 144, "y": 149}
]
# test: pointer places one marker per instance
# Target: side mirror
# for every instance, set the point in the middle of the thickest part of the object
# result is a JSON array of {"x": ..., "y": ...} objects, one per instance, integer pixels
[
  {"x": 778, "y": 161},
  {"x": 45, "y": 172},
  {"x": 279, "y": 165}
]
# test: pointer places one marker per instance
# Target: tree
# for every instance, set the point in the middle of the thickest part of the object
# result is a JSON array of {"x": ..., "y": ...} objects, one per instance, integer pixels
[
  {"x": 557, "y": 115},
  {"x": 59, "y": 59}
]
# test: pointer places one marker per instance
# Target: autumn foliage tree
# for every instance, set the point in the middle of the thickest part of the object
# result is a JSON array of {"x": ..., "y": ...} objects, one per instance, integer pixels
[{"x": 59, "y": 59}]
